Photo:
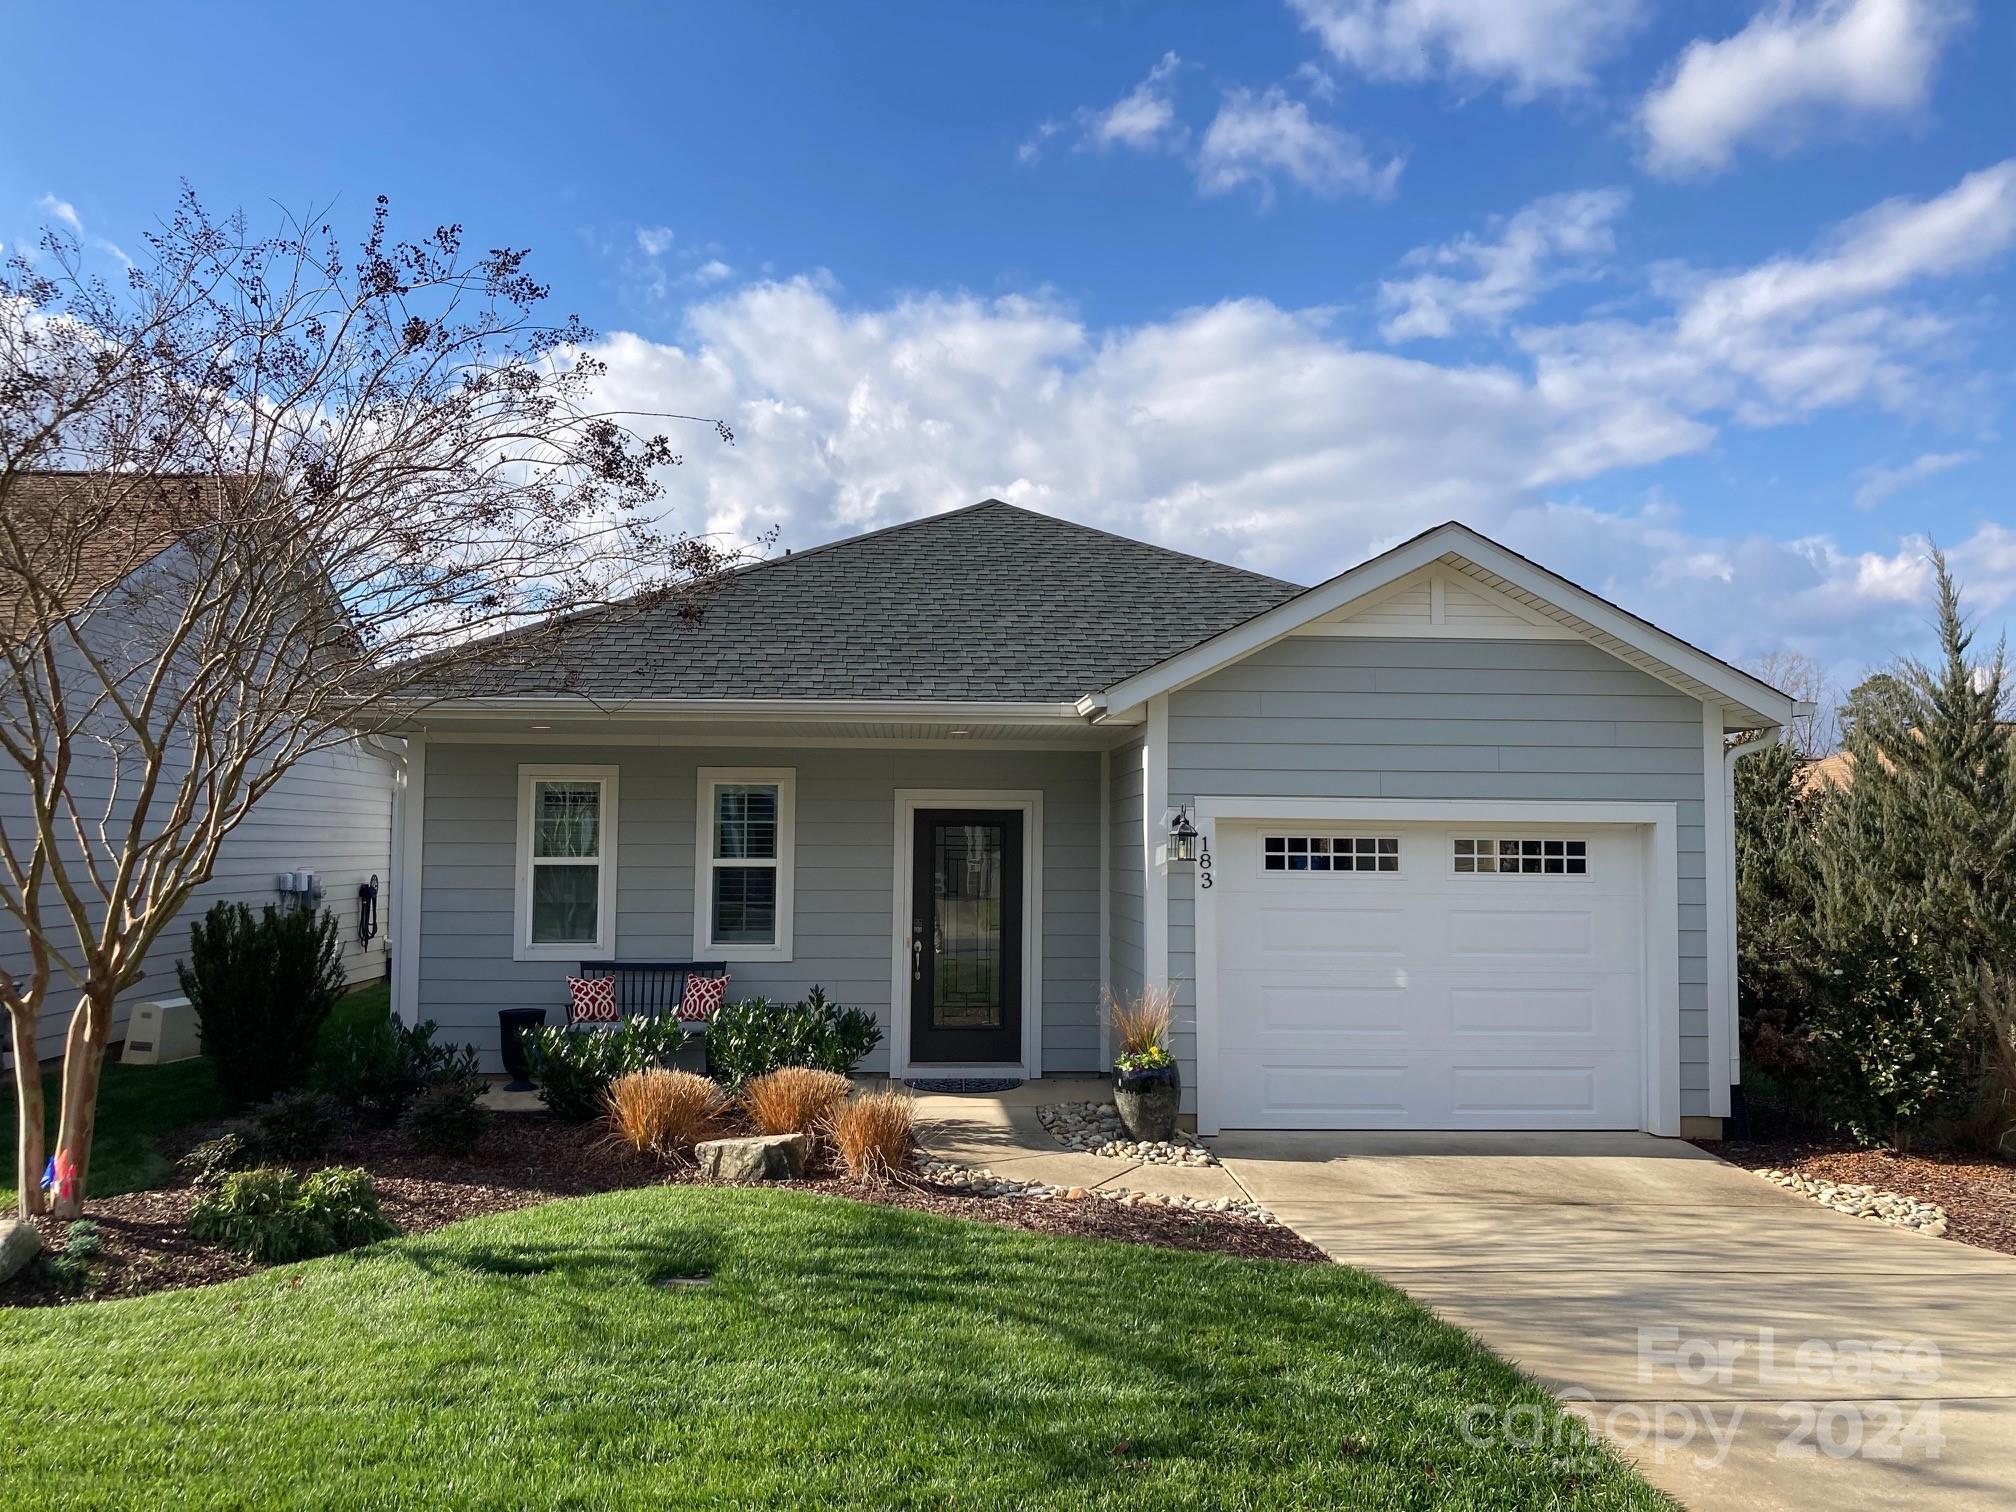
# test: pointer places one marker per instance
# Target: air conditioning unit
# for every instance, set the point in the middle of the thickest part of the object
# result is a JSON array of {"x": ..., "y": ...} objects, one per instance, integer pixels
[{"x": 160, "y": 1031}]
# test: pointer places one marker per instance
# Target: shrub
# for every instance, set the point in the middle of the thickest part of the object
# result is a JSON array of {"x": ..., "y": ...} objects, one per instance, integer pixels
[
  {"x": 210, "y": 1162},
  {"x": 261, "y": 989},
  {"x": 795, "y": 1100},
  {"x": 70, "y": 1267},
  {"x": 295, "y": 1126},
  {"x": 346, "y": 1198},
  {"x": 874, "y": 1136},
  {"x": 753, "y": 1037},
  {"x": 380, "y": 1067},
  {"x": 1894, "y": 1038},
  {"x": 574, "y": 1069},
  {"x": 448, "y": 1117},
  {"x": 662, "y": 1112},
  {"x": 273, "y": 1216}
]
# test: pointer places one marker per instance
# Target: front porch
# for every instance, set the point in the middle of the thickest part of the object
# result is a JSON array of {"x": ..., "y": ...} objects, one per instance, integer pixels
[{"x": 956, "y": 882}]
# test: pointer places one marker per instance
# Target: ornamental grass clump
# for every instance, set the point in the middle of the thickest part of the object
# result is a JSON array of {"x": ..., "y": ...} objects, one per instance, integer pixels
[
  {"x": 664, "y": 1113},
  {"x": 1141, "y": 1028},
  {"x": 874, "y": 1137},
  {"x": 795, "y": 1100}
]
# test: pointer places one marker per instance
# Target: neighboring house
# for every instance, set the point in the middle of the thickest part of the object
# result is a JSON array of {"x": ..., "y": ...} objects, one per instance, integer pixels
[
  {"x": 331, "y": 814},
  {"x": 1467, "y": 827}
]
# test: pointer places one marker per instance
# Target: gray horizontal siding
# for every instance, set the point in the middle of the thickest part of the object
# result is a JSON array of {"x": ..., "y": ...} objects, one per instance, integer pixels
[
  {"x": 331, "y": 814},
  {"x": 1351, "y": 717},
  {"x": 842, "y": 929}
]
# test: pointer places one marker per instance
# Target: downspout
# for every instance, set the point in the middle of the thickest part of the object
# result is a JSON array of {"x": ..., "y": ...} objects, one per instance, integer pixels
[{"x": 1730, "y": 757}]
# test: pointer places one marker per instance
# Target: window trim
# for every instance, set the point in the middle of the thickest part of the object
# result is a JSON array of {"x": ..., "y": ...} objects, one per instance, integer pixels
[
  {"x": 785, "y": 780},
  {"x": 603, "y": 947}
]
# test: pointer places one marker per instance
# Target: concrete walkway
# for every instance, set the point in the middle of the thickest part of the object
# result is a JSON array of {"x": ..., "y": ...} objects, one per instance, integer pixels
[
  {"x": 1000, "y": 1131},
  {"x": 1591, "y": 1261}
]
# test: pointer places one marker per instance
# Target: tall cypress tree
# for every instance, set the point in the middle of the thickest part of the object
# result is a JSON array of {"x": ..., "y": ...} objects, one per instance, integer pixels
[
  {"x": 1775, "y": 882},
  {"x": 1917, "y": 868}
]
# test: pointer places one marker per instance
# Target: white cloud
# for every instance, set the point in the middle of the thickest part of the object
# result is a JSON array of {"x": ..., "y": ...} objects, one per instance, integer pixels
[
  {"x": 66, "y": 215},
  {"x": 654, "y": 241},
  {"x": 1798, "y": 334},
  {"x": 63, "y": 211},
  {"x": 1795, "y": 67},
  {"x": 1145, "y": 114},
  {"x": 1143, "y": 119},
  {"x": 1255, "y": 138},
  {"x": 1475, "y": 282},
  {"x": 712, "y": 271},
  {"x": 1530, "y": 45},
  {"x": 1880, "y": 483}
]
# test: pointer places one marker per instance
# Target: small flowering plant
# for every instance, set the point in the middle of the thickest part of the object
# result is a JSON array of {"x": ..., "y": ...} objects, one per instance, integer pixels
[{"x": 1154, "y": 1058}]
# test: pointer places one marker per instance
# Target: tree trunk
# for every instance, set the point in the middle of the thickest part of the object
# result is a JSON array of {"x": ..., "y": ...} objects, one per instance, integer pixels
[
  {"x": 83, "y": 1062},
  {"x": 28, "y": 1155}
]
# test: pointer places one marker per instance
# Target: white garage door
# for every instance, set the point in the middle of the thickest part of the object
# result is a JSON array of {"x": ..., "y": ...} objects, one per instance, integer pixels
[{"x": 1486, "y": 976}]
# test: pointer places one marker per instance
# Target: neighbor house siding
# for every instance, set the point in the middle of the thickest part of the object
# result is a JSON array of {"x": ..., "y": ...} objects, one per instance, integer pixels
[
  {"x": 331, "y": 814},
  {"x": 843, "y": 931},
  {"x": 1127, "y": 894},
  {"x": 1333, "y": 717}
]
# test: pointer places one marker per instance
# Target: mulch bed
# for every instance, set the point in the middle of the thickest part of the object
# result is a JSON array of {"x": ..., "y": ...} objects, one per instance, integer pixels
[
  {"x": 1977, "y": 1191},
  {"x": 525, "y": 1159}
]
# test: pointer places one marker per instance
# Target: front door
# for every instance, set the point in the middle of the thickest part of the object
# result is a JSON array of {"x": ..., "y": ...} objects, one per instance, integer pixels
[{"x": 966, "y": 937}]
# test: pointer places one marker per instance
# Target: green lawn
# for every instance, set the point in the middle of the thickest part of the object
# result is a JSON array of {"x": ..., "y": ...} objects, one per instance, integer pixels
[
  {"x": 138, "y": 1104},
  {"x": 845, "y": 1354}
]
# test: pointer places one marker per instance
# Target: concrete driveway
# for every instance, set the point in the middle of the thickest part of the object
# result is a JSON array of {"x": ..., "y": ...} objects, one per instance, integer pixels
[{"x": 1673, "y": 1293}]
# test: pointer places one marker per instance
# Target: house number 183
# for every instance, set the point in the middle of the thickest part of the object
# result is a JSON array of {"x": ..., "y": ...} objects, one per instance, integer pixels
[{"x": 1204, "y": 866}]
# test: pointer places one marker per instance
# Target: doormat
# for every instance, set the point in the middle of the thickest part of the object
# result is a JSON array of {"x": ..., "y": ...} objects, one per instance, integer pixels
[{"x": 963, "y": 1083}]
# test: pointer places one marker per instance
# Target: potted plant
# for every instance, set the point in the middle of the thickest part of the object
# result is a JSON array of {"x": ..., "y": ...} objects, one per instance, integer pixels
[{"x": 1146, "y": 1089}]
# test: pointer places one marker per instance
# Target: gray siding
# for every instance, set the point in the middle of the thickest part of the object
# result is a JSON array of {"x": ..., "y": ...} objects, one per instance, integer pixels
[
  {"x": 1127, "y": 894},
  {"x": 332, "y": 815},
  {"x": 1375, "y": 718},
  {"x": 842, "y": 932}
]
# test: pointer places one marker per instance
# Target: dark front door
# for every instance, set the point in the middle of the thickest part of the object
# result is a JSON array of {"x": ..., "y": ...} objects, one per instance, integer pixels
[{"x": 966, "y": 937}]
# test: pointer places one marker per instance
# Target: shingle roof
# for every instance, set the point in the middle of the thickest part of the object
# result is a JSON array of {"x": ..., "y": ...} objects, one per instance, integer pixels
[
  {"x": 990, "y": 602},
  {"x": 75, "y": 533}
]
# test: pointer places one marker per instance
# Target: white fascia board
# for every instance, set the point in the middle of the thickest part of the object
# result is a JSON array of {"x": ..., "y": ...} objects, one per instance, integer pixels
[{"x": 1263, "y": 629}]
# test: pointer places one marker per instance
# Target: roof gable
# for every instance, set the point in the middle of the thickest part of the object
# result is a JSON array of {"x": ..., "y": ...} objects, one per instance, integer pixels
[
  {"x": 986, "y": 603},
  {"x": 1501, "y": 580}
]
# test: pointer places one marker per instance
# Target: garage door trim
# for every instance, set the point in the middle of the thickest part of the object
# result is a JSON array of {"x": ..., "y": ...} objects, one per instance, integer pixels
[{"x": 1660, "y": 1031}]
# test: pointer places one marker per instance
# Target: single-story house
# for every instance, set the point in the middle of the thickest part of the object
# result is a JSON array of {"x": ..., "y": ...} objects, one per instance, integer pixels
[{"x": 1464, "y": 828}]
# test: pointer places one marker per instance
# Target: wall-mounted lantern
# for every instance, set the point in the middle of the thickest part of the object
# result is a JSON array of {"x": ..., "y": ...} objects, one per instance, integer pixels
[{"x": 1182, "y": 837}]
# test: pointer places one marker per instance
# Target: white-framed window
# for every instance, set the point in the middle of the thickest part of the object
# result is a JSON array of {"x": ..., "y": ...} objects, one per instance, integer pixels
[
  {"x": 566, "y": 896},
  {"x": 1330, "y": 853},
  {"x": 1523, "y": 857},
  {"x": 744, "y": 862}
]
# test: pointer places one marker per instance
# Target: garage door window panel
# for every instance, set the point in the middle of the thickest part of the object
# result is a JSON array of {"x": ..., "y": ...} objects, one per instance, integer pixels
[
  {"x": 1330, "y": 853},
  {"x": 1524, "y": 856}
]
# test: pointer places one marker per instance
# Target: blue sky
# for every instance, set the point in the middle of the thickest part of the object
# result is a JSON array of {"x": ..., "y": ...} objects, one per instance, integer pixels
[{"x": 1702, "y": 302}]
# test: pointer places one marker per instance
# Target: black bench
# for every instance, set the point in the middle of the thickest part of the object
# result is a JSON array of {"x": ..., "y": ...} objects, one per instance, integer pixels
[{"x": 654, "y": 989}]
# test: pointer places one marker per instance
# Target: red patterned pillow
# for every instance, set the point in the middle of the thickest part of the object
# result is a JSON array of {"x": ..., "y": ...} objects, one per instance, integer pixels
[
  {"x": 703, "y": 996},
  {"x": 592, "y": 1000}
]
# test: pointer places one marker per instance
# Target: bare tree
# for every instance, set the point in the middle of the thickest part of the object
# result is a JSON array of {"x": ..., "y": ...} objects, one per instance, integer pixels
[
  {"x": 255, "y": 500},
  {"x": 1816, "y": 734}
]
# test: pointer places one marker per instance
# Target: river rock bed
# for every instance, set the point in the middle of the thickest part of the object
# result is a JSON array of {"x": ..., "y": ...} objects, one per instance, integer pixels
[
  {"x": 985, "y": 1183},
  {"x": 1860, "y": 1201},
  {"x": 1094, "y": 1128}
]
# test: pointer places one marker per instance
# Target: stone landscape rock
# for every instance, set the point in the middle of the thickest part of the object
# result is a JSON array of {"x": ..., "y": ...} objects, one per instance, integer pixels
[
  {"x": 19, "y": 1243},
  {"x": 1858, "y": 1201},
  {"x": 762, "y": 1157},
  {"x": 1095, "y": 1129}
]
